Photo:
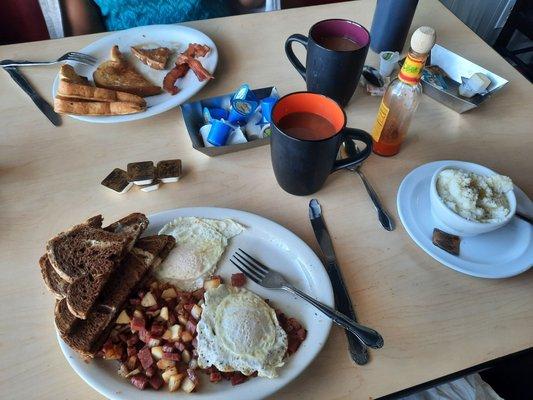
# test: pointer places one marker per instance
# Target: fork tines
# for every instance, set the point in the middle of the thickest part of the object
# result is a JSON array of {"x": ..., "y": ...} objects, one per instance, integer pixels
[
  {"x": 248, "y": 265},
  {"x": 81, "y": 57}
]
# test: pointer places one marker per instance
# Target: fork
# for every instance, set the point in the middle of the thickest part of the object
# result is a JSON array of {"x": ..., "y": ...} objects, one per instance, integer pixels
[
  {"x": 70, "y": 56},
  {"x": 264, "y": 276}
]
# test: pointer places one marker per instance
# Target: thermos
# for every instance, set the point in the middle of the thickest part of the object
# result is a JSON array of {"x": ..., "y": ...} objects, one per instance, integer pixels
[{"x": 392, "y": 19}]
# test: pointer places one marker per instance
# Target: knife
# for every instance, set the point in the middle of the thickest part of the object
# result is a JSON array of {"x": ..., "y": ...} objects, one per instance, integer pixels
[
  {"x": 358, "y": 350},
  {"x": 37, "y": 99}
]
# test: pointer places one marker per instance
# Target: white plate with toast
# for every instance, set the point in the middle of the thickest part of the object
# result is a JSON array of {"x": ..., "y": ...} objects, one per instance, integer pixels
[
  {"x": 176, "y": 38},
  {"x": 278, "y": 248}
]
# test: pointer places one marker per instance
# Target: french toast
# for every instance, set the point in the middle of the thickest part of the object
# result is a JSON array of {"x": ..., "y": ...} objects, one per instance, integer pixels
[
  {"x": 118, "y": 74},
  {"x": 155, "y": 58}
]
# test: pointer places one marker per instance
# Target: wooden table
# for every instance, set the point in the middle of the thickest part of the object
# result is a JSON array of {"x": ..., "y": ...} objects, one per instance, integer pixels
[{"x": 435, "y": 321}]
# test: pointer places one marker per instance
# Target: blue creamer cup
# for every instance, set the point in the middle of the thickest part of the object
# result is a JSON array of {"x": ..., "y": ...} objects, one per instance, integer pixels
[
  {"x": 236, "y": 118},
  {"x": 244, "y": 101},
  {"x": 267, "y": 104},
  {"x": 219, "y": 133},
  {"x": 214, "y": 113}
]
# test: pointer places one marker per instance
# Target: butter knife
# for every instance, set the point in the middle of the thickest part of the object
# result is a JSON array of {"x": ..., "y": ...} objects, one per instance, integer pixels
[
  {"x": 37, "y": 99},
  {"x": 358, "y": 350}
]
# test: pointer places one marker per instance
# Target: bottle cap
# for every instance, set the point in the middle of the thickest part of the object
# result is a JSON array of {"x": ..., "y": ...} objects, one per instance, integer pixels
[{"x": 423, "y": 39}]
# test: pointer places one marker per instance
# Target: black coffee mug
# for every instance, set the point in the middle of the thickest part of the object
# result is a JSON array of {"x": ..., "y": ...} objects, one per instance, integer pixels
[
  {"x": 302, "y": 166},
  {"x": 334, "y": 73}
]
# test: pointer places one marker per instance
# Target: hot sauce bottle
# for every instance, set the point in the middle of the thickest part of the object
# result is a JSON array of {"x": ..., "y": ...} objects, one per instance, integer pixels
[{"x": 402, "y": 96}]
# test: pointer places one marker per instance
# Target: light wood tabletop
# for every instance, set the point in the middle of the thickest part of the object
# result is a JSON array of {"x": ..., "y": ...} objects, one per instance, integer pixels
[{"x": 435, "y": 321}]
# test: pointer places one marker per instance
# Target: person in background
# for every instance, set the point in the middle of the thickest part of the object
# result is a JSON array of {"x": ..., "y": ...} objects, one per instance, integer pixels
[{"x": 79, "y": 17}]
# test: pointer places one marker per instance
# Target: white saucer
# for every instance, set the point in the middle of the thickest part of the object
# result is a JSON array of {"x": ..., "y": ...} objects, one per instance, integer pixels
[{"x": 503, "y": 253}]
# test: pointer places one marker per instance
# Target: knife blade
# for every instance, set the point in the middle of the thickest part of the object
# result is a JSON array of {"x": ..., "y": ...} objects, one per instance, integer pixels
[
  {"x": 41, "y": 103},
  {"x": 358, "y": 351}
]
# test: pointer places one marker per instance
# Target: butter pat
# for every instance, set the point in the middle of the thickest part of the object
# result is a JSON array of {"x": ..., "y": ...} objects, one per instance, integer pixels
[
  {"x": 473, "y": 196},
  {"x": 476, "y": 84}
]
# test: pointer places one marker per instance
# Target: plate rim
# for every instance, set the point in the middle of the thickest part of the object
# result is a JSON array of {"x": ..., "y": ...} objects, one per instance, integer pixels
[
  {"x": 327, "y": 291},
  {"x": 111, "y": 119},
  {"x": 431, "y": 167}
]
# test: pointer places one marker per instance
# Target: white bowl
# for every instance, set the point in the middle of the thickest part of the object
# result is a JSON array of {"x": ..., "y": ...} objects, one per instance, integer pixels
[{"x": 454, "y": 223}]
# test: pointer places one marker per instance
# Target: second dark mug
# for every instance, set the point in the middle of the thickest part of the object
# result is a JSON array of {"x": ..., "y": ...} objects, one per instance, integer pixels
[
  {"x": 301, "y": 166},
  {"x": 333, "y": 68}
]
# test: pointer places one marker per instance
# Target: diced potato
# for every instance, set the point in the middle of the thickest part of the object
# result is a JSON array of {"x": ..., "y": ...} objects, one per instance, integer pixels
[
  {"x": 154, "y": 285},
  {"x": 168, "y": 373},
  {"x": 134, "y": 372},
  {"x": 168, "y": 294},
  {"x": 185, "y": 356},
  {"x": 131, "y": 362},
  {"x": 123, "y": 318},
  {"x": 193, "y": 364},
  {"x": 164, "y": 313},
  {"x": 157, "y": 352},
  {"x": 148, "y": 300},
  {"x": 212, "y": 283},
  {"x": 167, "y": 335},
  {"x": 163, "y": 364},
  {"x": 186, "y": 336},
  {"x": 174, "y": 382},
  {"x": 182, "y": 319},
  {"x": 187, "y": 385},
  {"x": 138, "y": 314},
  {"x": 154, "y": 342},
  {"x": 196, "y": 312},
  {"x": 175, "y": 332}
]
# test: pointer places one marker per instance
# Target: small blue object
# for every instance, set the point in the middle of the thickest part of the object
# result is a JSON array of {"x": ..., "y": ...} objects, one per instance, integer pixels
[
  {"x": 236, "y": 118},
  {"x": 244, "y": 101},
  {"x": 219, "y": 133},
  {"x": 267, "y": 104},
  {"x": 214, "y": 113}
]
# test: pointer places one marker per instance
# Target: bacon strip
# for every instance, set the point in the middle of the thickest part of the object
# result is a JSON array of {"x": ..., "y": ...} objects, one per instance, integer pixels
[{"x": 187, "y": 60}]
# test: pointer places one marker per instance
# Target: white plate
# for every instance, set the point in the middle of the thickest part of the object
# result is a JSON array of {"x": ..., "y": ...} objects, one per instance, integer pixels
[
  {"x": 176, "y": 38},
  {"x": 276, "y": 247},
  {"x": 505, "y": 252}
]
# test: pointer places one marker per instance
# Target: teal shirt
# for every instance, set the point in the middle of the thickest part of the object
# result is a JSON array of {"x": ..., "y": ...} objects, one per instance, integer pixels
[{"x": 124, "y": 14}]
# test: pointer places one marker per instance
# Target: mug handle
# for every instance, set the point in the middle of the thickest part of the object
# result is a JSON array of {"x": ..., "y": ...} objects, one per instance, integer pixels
[
  {"x": 357, "y": 134},
  {"x": 290, "y": 53}
]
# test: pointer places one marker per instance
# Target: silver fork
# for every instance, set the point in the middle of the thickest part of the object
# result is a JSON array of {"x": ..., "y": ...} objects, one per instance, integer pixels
[
  {"x": 264, "y": 276},
  {"x": 70, "y": 56}
]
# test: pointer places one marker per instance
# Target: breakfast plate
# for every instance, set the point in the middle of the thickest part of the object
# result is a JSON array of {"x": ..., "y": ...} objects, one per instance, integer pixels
[
  {"x": 175, "y": 37},
  {"x": 275, "y": 246},
  {"x": 502, "y": 253}
]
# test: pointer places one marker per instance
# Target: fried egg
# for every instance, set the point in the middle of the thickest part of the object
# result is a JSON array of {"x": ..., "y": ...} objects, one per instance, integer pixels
[
  {"x": 200, "y": 242},
  {"x": 239, "y": 331}
]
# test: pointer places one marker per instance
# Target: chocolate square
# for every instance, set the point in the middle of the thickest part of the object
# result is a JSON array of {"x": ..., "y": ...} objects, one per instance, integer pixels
[
  {"x": 446, "y": 241},
  {"x": 169, "y": 170},
  {"x": 117, "y": 180},
  {"x": 141, "y": 173}
]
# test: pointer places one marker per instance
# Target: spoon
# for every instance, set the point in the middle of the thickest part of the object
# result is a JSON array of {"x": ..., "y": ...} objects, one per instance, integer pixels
[{"x": 384, "y": 218}]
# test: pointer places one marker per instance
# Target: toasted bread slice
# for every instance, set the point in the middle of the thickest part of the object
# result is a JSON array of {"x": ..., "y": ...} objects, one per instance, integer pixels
[
  {"x": 55, "y": 284},
  {"x": 83, "y": 291},
  {"x": 69, "y": 90},
  {"x": 68, "y": 74},
  {"x": 63, "y": 106},
  {"x": 118, "y": 74},
  {"x": 87, "y": 336},
  {"x": 154, "y": 58},
  {"x": 64, "y": 319}
]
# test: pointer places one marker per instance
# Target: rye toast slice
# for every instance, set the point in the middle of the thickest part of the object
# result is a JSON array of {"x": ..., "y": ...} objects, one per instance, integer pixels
[
  {"x": 55, "y": 284},
  {"x": 155, "y": 58},
  {"x": 118, "y": 74},
  {"x": 84, "y": 290},
  {"x": 87, "y": 336}
]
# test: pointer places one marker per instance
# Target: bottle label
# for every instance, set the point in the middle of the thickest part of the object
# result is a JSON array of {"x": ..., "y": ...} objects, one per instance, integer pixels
[
  {"x": 411, "y": 70},
  {"x": 380, "y": 121}
]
